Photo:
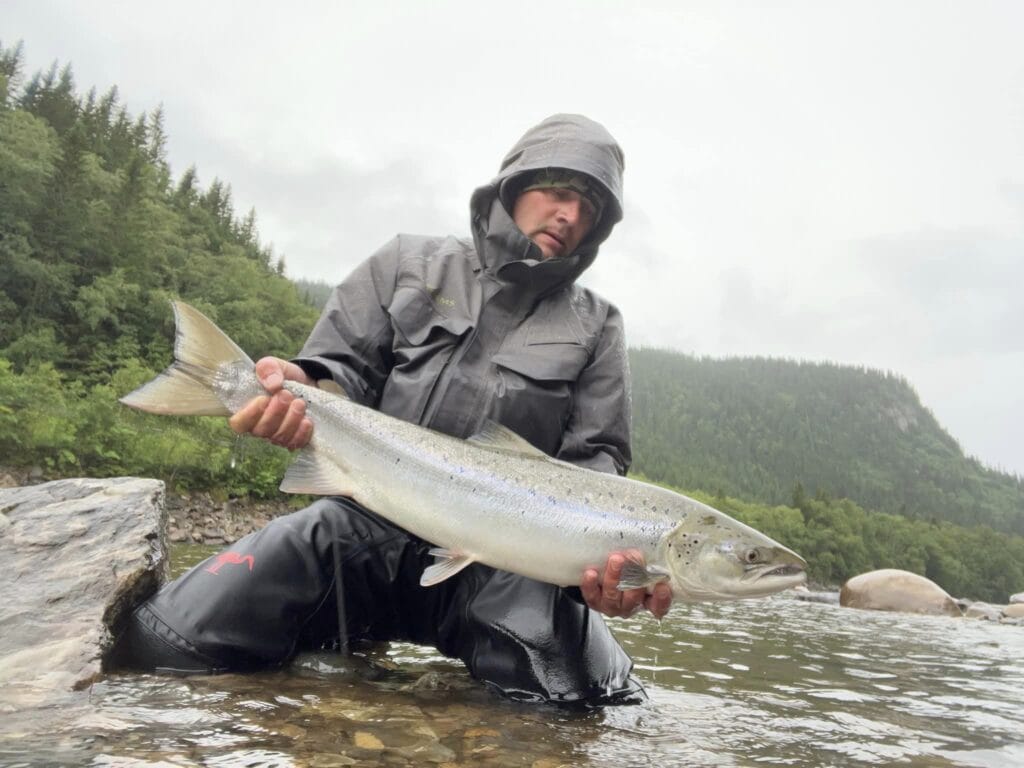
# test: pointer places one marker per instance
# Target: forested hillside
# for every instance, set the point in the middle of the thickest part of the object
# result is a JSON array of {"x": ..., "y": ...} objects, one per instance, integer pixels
[
  {"x": 96, "y": 236},
  {"x": 314, "y": 292},
  {"x": 756, "y": 427}
]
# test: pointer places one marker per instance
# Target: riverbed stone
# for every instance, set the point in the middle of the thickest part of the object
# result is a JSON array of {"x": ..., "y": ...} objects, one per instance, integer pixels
[
  {"x": 1017, "y": 598},
  {"x": 78, "y": 556},
  {"x": 890, "y": 589},
  {"x": 984, "y": 611},
  {"x": 808, "y": 596},
  {"x": 1014, "y": 611},
  {"x": 367, "y": 740}
]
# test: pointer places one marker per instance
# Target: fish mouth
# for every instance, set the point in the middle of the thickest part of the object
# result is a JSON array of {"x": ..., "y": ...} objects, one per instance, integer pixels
[
  {"x": 792, "y": 572},
  {"x": 790, "y": 569}
]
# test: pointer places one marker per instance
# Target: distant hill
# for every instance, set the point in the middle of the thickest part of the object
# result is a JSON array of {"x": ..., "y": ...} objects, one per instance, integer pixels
[
  {"x": 754, "y": 428},
  {"x": 313, "y": 292},
  {"x": 95, "y": 237}
]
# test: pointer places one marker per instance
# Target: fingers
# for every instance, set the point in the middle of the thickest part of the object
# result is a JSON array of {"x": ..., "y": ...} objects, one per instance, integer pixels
[
  {"x": 591, "y": 589},
  {"x": 601, "y": 591},
  {"x": 659, "y": 601},
  {"x": 243, "y": 421},
  {"x": 273, "y": 372},
  {"x": 612, "y": 576},
  {"x": 302, "y": 435},
  {"x": 294, "y": 415},
  {"x": 281, "y": 419},
  {"x": 270, "y": 372}
]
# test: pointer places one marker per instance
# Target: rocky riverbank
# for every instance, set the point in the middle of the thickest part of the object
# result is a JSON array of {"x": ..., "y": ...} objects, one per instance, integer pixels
[
  {"x": 198, "y": 518},
  {"x": 195, "y": 517}
]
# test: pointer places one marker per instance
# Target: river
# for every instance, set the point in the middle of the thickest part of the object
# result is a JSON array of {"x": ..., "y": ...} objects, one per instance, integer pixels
[{"x": 766, "y": 682}]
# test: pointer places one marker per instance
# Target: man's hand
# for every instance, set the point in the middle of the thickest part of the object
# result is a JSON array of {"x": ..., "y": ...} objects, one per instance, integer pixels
[
  {"x": 601, "y": 590},
  {"x": 279, "y": 417}
]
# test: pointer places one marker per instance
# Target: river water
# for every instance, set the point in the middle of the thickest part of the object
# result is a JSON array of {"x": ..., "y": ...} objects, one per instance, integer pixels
[{"x": 767, "y": 682}]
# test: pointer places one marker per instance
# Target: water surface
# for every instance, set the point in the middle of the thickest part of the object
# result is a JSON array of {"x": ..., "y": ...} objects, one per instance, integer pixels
[{"x": 765, "y": 682}]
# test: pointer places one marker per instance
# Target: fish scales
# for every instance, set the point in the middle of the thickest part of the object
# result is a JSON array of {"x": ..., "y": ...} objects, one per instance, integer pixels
[
  {"x": 492, "y": 499},
  {"x": 425, "y": 479}
]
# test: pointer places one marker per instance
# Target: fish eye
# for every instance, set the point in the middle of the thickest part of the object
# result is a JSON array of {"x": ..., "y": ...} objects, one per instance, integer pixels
[{"x": 752, "y": 556}]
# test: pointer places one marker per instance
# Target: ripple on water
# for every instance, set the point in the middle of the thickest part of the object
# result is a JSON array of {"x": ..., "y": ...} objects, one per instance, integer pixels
[{"x": 786, "y": 683}]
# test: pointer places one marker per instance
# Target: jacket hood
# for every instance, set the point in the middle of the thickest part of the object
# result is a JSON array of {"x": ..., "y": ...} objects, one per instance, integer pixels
[{"x": 574, "y": 142}]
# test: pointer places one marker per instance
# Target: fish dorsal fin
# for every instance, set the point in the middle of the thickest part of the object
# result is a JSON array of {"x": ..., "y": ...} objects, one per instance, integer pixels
[
  {"x": 449, "y": 562},
  {"x": 495, "y": 437},
  {"x": 330, "y": 385}
]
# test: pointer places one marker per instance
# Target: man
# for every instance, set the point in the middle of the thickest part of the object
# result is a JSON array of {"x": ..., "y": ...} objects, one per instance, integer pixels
[{"x": 446, "y": 333}]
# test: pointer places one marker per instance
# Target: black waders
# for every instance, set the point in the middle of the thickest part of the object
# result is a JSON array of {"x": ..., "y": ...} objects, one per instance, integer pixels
[{"x": 273, "y": 594}]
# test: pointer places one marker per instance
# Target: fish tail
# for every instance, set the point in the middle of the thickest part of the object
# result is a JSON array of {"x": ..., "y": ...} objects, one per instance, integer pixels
[{"x": 201, "y": 350}]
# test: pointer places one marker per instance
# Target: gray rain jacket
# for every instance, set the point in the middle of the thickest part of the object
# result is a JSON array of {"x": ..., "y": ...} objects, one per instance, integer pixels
[{"x": 447, "y": 333}]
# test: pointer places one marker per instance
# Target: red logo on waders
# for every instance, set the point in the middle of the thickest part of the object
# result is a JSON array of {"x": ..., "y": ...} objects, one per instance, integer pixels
[{"x": 233, "y": 558}]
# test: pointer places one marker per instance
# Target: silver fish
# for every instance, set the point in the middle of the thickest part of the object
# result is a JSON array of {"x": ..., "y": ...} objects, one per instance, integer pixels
[{"x": 493, "y": 499}]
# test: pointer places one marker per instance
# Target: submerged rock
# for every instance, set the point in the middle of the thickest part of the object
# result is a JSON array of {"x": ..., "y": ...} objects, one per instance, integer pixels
[
  {"x": 984, "y": 611},
  {"x": 1014, "y": 611},
  {"x": 890, "y": 589},
  {"x": 806, "y": 595},
  {"x": 77, "y": 556}
]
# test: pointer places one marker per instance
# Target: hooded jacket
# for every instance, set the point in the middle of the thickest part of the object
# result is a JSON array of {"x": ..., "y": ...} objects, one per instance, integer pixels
[{"x": 447, "y": 333}]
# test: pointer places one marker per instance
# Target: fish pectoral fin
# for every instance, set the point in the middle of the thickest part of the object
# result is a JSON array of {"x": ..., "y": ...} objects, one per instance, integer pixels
[
  {"x": 449, "y": 563},
  {"x": 312, "y": 472},
  {"x": 638, "y": 575}
]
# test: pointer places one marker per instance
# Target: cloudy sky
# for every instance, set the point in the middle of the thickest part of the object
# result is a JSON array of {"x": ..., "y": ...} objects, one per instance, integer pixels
[{"x": 835, "y": 181}]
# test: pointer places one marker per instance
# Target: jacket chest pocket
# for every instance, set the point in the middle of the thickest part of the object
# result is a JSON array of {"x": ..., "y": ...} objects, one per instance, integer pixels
[
  {"x": 418, "y": 322},
  {"x": 535, "y": 388},
  {"x": 424, "y": 340}
]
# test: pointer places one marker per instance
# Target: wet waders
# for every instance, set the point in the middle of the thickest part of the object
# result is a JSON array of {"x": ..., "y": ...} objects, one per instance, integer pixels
[{"x": 272, "y": 594}]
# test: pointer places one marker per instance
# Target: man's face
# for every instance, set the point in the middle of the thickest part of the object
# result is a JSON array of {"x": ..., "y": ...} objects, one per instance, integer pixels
[{"x": 556, "y": 219}]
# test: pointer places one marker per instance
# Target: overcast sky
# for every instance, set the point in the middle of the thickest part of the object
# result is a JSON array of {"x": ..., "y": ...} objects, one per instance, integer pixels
[{"x": 818, "y": 180}]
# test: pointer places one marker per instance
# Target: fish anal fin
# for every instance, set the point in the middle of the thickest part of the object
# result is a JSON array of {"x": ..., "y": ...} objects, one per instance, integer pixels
[
  {"x": 313, "y": 472},
  {"x": 639, "y": 576},
  {"x": 448, "y": 564}
]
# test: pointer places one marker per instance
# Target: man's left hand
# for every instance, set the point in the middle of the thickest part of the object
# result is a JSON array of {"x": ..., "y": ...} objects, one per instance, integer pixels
[{"x": 601, "y": 590}]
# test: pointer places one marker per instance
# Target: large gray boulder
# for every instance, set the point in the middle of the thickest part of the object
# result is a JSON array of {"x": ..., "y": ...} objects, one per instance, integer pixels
[
  {"x": 77, "y": 556},
  {"x": 1018, "y": 598},
  {"x": 891, "y": 589}
]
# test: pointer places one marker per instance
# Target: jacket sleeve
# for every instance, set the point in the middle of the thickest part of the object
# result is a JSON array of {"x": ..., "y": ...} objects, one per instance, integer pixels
[
  {"x": 351, "y": 343},
  {"x": 597, "y": 435}
]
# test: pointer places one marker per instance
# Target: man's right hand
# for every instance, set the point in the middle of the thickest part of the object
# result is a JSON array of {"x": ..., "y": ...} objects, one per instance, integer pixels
[{"x": 279, "y": 417}]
